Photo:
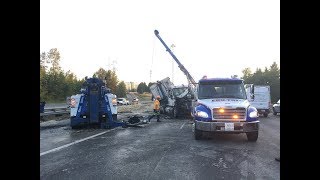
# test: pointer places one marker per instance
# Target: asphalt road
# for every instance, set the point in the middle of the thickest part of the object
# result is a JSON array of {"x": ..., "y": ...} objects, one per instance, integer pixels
[{"x": 158, "y": 150}]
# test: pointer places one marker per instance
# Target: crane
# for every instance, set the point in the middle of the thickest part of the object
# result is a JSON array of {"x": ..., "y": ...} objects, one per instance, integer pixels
[{"x": 182, "y": 68}]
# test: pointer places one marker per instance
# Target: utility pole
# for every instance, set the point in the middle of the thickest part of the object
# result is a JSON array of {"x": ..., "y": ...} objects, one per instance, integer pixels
[
  {"x": 150, "y": 75},
  {"x": 153, "y": 52}
]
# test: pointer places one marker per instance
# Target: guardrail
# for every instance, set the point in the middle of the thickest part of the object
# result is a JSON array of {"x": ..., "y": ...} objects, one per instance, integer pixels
[{"x": 55, "y": 111}]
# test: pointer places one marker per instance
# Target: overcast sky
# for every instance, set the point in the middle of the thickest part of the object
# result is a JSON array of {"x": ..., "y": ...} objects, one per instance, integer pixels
[{"x": 217, "y": 38}]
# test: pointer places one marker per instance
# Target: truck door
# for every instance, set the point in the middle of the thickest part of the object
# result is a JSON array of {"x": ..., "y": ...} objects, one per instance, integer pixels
[{"x": 195, "y": 99}]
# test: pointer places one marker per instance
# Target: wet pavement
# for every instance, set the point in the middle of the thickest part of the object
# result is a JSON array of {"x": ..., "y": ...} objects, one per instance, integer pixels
[{"x": 164, "y": 150}]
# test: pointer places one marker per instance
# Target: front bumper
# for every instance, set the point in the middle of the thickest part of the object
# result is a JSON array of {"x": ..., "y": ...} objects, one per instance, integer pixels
[
  {"x": 261, "y": 111},
  {"x": 239, "y": 127}
]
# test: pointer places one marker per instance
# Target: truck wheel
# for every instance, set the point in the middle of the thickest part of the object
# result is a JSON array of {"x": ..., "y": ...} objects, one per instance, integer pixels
[
  {"x": 197, "y": 133},
  {"x": 274, "y": 112},
  {"x": 252, "y": 136},
  {"x": 75, "y": 127},
  {"x": 174, "y": 112},
  {"x": 114, "y": 117},
  {"x": 265, "y": 114}
]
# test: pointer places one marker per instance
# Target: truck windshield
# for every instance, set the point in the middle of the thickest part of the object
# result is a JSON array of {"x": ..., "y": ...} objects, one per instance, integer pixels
[
  {"x": 178, "y": 91},
  {"x": 221, "y": 90}
]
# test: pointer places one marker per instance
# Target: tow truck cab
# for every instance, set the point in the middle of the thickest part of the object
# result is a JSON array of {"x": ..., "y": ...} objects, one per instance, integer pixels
[{"x": 221, "y": 106}]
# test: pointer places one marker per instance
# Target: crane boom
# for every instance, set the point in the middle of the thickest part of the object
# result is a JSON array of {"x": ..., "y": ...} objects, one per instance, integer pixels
[{"x": 182, "y": 68}]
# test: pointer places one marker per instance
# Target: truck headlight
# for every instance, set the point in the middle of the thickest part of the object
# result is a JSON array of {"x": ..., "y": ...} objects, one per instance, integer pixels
[
  {"x": 253, "y": 114},
  {"x": 202, "y": 114}
]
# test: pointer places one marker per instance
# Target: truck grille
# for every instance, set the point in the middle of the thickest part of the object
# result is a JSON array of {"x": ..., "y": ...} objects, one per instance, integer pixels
[{"x": 229, "y": 113}]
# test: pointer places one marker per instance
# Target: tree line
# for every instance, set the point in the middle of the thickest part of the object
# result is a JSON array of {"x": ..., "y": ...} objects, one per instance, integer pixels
[
  {"x": 56, "y": 85},
  {"x": 269, "y": 76}
]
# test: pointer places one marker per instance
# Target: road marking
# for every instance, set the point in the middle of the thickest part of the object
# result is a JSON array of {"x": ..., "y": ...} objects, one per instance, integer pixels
[
  {"x": 182, "y": 125},
  {"x": 75, "y": 142}
]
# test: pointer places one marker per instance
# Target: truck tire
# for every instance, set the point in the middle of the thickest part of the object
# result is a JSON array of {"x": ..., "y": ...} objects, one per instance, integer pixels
[
  {"x": 197, "y": 133},
  {"x": 115, "y": 117},
  {"x": 274, "y": 112},
  {"x": 174, "y": 112},
  {"x": 265, "y": 114},
  {"x": 252, "y": 136},
  {"x": 75, "y": 127}
]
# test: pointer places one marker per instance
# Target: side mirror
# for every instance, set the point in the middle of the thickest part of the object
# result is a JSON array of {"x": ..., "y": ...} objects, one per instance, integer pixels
[
  {"x": 252, "y": 96},
  {"x": 252, "y": 89}
]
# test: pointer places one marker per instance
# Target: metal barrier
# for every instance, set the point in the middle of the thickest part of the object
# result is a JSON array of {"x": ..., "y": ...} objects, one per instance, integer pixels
[{"x": 55, "y": 111}]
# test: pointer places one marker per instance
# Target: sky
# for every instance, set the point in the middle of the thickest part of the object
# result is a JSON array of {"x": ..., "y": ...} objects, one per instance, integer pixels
[{"x": 217, "y": 38}]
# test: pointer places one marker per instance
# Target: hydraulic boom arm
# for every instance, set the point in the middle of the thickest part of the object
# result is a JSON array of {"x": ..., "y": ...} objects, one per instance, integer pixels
[{"x": 182, "y": 68}]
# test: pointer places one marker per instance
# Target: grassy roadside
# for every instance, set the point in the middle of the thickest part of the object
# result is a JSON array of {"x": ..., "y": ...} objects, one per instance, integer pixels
[{"x": 144, "y": 96}]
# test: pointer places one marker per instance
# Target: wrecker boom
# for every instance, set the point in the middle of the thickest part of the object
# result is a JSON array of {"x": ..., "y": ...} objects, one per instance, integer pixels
[{"x": 182, "y": 68}]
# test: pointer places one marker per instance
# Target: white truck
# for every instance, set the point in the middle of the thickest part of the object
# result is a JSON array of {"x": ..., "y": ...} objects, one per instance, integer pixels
[
  {"x": 262, "y": 98},
  {"x": 221, "y": 106}
]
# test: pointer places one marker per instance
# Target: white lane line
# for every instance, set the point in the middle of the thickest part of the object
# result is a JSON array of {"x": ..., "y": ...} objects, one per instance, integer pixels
[
  {"x": 182, "y": 125},
  {"x": 75, "y": 142}
]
